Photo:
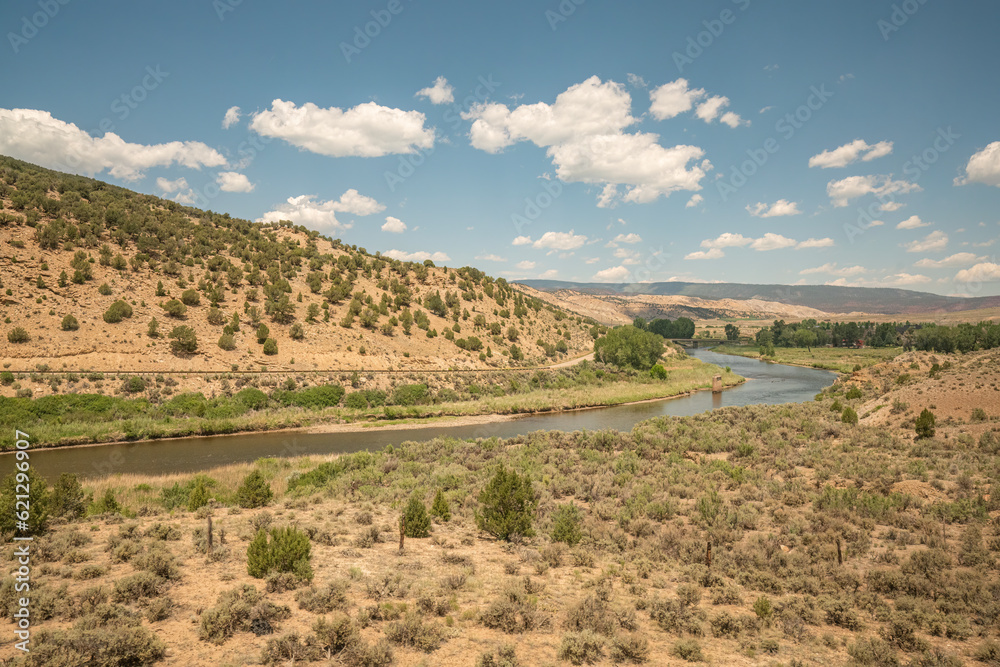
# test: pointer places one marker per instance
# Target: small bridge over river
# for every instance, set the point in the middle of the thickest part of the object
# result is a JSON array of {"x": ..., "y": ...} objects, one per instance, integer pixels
[{"x": 697, "y": 342}]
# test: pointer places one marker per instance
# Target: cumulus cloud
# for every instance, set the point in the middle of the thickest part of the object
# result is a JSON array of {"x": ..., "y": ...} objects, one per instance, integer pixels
[
  {"x": 630, "y": 238},
  {"x": 36, "y": 136},
  {"x": 548, "y": 275},
  {"x": 983, "y": 167},
  {"x": 902, "y": 280},
  {"x": 913, "y": 222},
  {"x": 778, "y": 208},
  {"x": 891, "y": 206},
  {"x": 171, "y": 186},
  {"x": 232, "y": 181},
  {"x": 367, "y": 130},
  {"x": 833, "y": 269},
  {"x": 771, "y": 241},
  {"x": 419, "y": 256},
  {"x": 714, "y": 253},
  {"x": 674, "y": 98},
  {"x": 231, "y": 118},
  {"x": 525, "y": 265},
  {"x": 983, "y": 272},
  {"x": 843, "y": 191},
  {"x": 322, "y": 215},
  {"x": 956, "y": 260},
  {"x": 522, "y": 240},
  {"x": 559, "y": 241},
  {"x": 440, "y": 93},
  {"x": 393, "y": 225},
  {"x": 616, "y": 274},
  {"x": 491, "y": 258},
  {"x": 584, "y": 135},
  {"x": 727, "y": 240},
  {"x": 933, "y": 242},
  {"x": 815, "y": 243},
  {"x": 848, "y": 153},
  {"x": 694, "y": 201}
]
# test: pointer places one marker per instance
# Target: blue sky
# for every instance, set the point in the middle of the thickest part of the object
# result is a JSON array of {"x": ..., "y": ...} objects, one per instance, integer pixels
[{"x": 851, "y": 143}]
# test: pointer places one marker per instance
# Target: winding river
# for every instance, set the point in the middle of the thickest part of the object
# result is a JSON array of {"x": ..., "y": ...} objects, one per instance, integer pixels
[{"x": 766, "y": 384}]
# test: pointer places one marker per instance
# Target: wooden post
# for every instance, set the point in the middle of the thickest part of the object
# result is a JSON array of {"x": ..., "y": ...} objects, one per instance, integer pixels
[
  {"x": 209, "y": 533},
  {"x": 708, "y": 555},
  {"x": 402, "y": 532},
  {"x": 716, "y": 384},
  {"x": 840, "y": 554}
]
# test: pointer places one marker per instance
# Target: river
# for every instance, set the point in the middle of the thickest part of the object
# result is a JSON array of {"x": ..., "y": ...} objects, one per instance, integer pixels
[{"x": 766, "y": 384}]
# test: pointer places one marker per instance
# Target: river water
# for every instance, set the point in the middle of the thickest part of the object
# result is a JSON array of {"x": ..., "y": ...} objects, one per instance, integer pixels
[{"x": 766, "y": 384}]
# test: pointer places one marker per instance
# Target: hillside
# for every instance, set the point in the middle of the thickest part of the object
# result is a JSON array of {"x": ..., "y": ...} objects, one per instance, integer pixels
[
  {"x": 829, "y": 298},
  {"x": 73, "y": 246}
]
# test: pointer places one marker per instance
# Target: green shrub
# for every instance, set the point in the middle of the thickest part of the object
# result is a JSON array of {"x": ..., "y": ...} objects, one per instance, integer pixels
[
  {"x": 262, "y": 333},
  {"x": 410, "y": 394},
  {"x": 581, "y": 648},
  {"x": 227, "y": 342},
  {"x": 324, "y": 600},
  {"x": 287, "y": 551},
  {"x": 853, "y": 393},
  {"x": 504, "y": 656},
  {"x": 873, "y": 651},
  {"x": 251, "y": 398},
  {"x": 411, "y": 630},
  {"x": 69, "y": 323},
  {"x": 254, "y": 491},
  {"x": 93, "y": 640},
  {"x": 270, "y": 347},
  {"x": 629, "y": 347},
  {"x": 629, "y": 648},
  {"x": 190, "y": 297},
  {"x": 415, "y": 518},
  {"x": 849, "y": 416},
  {"x": 241, "y": 609},
  {"x": 18, "y": 335},
  {"x": 104, "y": 289},
  {"x": 566, "y": 522},
  {"x": 68, "y": 500},
  {"x": 297, "y": 332},
  {"x": 658, "y": 372},
  {"x": 924, "y": 424},
  {"x": 6, "y": 378},
  {"x": 689, "y": 650},
  {"x": 439, "y": 507},
  {"x": 199, "y": 496},
  {"x": 507, "y": 505},
  {"x": 175, "y": 308},
  {"x": 117, "y": 312},
  {"x": 183, "y": 340}
]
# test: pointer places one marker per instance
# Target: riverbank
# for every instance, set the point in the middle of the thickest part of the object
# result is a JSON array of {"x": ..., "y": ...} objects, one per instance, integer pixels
[
  {"x": 569, "y": 389},
  {"x": 839, "y": 359}
]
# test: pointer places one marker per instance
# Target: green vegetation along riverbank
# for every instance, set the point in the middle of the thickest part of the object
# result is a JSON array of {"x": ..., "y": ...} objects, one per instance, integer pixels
[
  {"x": 249, "y": 404},
  {"x": 843, "y": 360}
]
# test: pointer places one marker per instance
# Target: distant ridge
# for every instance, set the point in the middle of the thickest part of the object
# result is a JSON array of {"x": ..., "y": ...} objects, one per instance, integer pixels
[{"x": 829, "y": 298}]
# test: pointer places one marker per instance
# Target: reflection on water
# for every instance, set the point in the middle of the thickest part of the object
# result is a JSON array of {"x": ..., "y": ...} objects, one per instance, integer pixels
[{"x": 766, "y": 384}]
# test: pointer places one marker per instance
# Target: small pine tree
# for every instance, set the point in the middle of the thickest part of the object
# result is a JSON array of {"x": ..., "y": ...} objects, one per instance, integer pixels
[
  {"x": 262, "y": 333},
  {"x": 159, "y": 289},
  {"x": 925, "y": 424},
  {"x": 227, "y": 342},
  {"x": 439, "y": 507},
  {"x": 259, "y": 556},
  {"x": 287, "y": 551},
  {"x": 255, "y": 491},
  {"x": 68, "y": 499},
  {"x": 566, "y": 524},
  {"x": 36, "y": 518},
  {"x": 415, "y": 515},
  {"x": 508, "y": 505},
  {"x": 108, "y": 504},
  {"x": 154, "y": 328},
  {"x": 63, "y": 279},
  {"x": 270, "y": 346},
  {"x": 199, "y": 496},
  {"x": 69, "y": 323},
  {"x": 849, "y": 416}
]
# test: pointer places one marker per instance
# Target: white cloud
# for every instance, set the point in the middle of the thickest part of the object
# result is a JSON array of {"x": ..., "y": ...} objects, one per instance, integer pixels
[
  {"x": 559, "y": 241},
  {"x": 832, "y": 269},
  {"x": 672, "y": 99},
  {"x": 727, "y": 240},
  {"x": 636, "y": 81},
  {"x": 440, "y": 93},
  {"x": 848, "y": 153},
  {"x": 525, "y": 265},
  {"x": 891, "y": 206},
  {"x": 583, "y": 134},
  {"x": 771, "y": 241},
  {"x": 778, "y": 208},
  {"x": 231, "y": 181},
  {"x": 231, "y": 118},
  {"x": 913, "y": 222},
  {"x": 694, "y": 201},
  {"x": 491, "y": 258},
  {"x": 171, "y": 186},
  {"x": 393, "y": 225},
  {"x": 714, "y": 253},
  {"x": 616, "y": 274},
  {"x": 627, "y": 238},
  {"x": 521, "y": 240},
  {"x": 815, "y": 243},
  {"x": 367, "y": 130},
  {"x": 37, "y": 137},
  {"x": 548, "y": 275},
  {"x": 933, "y": 242},
  {"x": 980, "y": 273},
  {"x": 591, "y": 260},
  {"x": 983, "y": 167},
  {"x": 903, "y": 279},
  {"x": 420, "y": 256},
  {"x": 710, "y": 108},
  {"x": 320, "y": 215},
  {"x": 843, "y": 191},
  {"x": 956, "y": 260}
]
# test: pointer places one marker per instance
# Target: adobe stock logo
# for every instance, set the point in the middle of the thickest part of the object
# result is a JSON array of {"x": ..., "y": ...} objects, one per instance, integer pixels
[{"x": 37, "y": 21}]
